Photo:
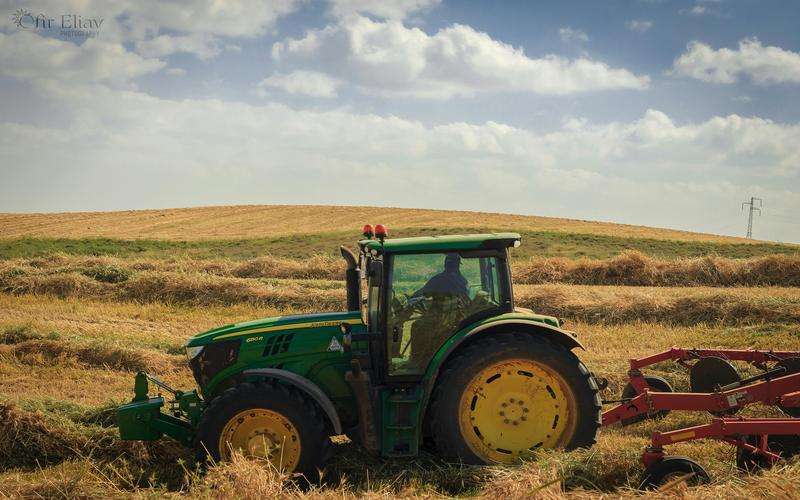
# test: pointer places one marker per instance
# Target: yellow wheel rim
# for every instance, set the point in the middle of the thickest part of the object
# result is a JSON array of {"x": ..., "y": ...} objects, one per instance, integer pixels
[
  {"x": 263, "y": 434},
  {"x": 511, "y": 408}
]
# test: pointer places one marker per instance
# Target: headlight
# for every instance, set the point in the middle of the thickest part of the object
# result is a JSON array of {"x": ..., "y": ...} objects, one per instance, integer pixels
[
  {"x": 211, "y": 360},
  {"x": 193, "y": 352}
]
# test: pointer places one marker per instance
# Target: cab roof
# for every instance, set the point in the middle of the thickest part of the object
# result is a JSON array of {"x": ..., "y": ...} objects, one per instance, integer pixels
[{"x": 443, "y": 243}]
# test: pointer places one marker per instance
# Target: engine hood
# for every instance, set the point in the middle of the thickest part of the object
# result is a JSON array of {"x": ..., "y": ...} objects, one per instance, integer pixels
[{"x": 274, "y": 324}]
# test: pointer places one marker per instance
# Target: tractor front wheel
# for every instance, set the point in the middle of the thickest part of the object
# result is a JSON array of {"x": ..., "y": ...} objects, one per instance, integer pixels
[
  {"x": 269, "y": 422},
  {"x": 509, "y": 395}
]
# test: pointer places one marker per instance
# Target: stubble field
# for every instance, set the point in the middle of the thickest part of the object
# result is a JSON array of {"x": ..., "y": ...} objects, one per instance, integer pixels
[{"x": 86, "y": 300}]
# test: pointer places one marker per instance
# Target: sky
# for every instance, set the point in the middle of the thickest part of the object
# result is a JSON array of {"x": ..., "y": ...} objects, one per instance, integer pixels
[{"x": 654, "y": 112}]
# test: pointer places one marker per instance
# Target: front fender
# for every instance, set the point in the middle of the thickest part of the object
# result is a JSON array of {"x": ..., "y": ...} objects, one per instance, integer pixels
[{"x": 308, "y": 387}]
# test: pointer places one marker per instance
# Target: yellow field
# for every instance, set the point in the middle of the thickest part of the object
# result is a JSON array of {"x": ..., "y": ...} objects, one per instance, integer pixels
[
  {"x": 127, "y": 336},
  {"x": 74, "y": 328},
  {"x": 256, "y": 221}
]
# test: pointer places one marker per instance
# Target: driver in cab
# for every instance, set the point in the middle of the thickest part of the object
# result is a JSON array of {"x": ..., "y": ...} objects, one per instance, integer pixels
[
  {"x": 450, "y": 283},
  {"x": 441, "y": 304}
]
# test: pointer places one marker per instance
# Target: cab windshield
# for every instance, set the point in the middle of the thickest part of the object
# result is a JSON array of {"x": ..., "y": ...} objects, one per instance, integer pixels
[{"x": 432, "y": 296}]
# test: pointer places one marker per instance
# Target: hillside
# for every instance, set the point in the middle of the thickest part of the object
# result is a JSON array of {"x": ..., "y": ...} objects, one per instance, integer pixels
[
  {"x": 245, "y": 232},
  {"x": 260, "y": 221}
]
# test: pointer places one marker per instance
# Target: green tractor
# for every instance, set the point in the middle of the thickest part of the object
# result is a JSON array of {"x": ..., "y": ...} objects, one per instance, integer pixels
[{"x": 431, "y": 351}]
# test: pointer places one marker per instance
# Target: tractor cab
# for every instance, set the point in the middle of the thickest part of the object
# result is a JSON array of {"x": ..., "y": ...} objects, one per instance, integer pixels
[
  {"x": 420, "y": 291},
  {"x": 415, "y": 295}
]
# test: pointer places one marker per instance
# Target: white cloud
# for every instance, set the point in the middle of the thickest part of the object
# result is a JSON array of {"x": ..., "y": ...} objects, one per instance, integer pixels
[
  {"x": 201, "y": 45},
  {"x": 395, "y": 9},
  {"x": 233, "y": 152},
  {"x": 193, "y": 26},
  {"x": 697, "y": 10},
  {"x": 388, "y": 58},
  {"x": 571, "y": 35},
  {"x": 27, "y": 56},
  {"x": 308, "y": 83},
  {"x": 176, "y": 72},
  {"x": 763, "y": 65},
  {"x": 703, "y": 8},
  {"x": 639, "y": 25},
  {"x": 232, "y": 18}
]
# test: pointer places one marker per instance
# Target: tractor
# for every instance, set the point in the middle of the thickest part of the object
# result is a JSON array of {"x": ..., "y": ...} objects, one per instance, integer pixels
[{"x": 431, "y": 352}]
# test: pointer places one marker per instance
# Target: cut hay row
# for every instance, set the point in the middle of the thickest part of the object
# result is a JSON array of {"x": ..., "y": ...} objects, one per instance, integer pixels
[
  {"x": 48, "y": 352},
  {"x": 114, "y": 269},
  {"x": 675, "y": 306},
  {"x": 33, "y": 439},
  {"x": 636, "y": 269},
  {"x": 631, "y": 268},
  {"x": 610, "y": 305},
  {"x": 195, "y": 289}
]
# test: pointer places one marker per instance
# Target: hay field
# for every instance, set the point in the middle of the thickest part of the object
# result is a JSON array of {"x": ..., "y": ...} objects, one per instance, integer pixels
[
  {"x": 76, "y": 325},
  {"x": 257, "y": 221}
]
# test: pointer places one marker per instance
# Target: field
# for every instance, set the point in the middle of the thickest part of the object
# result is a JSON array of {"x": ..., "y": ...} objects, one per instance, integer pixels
[{"x": 86, "y": 300}]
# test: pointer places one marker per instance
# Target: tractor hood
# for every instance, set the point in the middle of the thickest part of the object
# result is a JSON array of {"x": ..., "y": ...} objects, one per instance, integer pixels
[{"x": 273, "y": 324}]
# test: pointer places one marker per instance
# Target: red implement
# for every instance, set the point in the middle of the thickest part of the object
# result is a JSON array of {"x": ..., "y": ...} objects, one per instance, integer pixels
[{"x": 759, "y": 441}]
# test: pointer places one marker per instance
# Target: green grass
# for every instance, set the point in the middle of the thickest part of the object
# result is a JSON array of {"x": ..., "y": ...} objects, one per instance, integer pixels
[{"x": 542, "y": 244}]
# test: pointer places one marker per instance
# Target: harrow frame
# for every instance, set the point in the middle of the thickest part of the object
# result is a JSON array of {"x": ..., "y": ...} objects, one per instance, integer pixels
[{"x": 773, "y": 387}]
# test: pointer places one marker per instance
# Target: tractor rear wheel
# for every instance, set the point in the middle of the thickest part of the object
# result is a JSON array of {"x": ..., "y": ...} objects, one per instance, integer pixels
[
  {"x": 269, "y": 422},
  {"x": 509, "y": 395}
]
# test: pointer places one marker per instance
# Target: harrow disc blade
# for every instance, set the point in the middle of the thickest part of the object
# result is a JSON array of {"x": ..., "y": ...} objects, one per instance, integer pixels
[{"x": 708, "y": 374}]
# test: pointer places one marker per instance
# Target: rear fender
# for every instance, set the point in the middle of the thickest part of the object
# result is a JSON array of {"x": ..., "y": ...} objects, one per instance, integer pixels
[
  {"x": 517, "y": 325},
  {"x": 566, "y": 338},
  {"x": 464, "y": 337},
  {"x": 308, "y": 387}
]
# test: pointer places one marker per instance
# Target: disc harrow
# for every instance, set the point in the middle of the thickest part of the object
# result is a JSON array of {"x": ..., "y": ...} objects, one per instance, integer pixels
[{"x": 718, "y": 388}]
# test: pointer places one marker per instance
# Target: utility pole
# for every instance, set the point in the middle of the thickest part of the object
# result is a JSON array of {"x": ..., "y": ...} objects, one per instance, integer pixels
[{"x": 752, "y": 208}]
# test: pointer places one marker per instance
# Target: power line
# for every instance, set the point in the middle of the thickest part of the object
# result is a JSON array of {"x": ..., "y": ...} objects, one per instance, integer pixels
[{"x": 752, "y": 208}]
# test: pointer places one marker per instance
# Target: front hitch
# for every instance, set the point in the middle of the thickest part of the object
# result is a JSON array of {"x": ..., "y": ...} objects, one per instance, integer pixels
[{"x": 143, "y": 420}]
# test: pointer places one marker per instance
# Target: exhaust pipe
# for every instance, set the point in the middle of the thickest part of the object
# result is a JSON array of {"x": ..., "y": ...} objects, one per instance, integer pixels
[{"x": 351, "y": 279}]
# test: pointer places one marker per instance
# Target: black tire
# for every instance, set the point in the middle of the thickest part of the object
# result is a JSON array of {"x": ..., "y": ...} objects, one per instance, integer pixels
[
  {"x": 467, "y": 363},
  {"x": 657, "y": 384},
  {"x": 292, "y": 404},
  {"x": 672, "y": 468}
]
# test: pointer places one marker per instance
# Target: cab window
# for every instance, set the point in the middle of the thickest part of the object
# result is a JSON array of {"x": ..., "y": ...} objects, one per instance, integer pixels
[{"x": 430, "y": 296}]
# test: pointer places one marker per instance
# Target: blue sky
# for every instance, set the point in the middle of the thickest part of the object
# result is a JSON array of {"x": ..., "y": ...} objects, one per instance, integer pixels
[{"x": 664, "y": 113}]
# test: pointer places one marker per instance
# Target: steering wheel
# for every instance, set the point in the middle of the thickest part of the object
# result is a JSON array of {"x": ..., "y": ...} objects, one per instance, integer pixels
[
  {"x": 419, "y": 304},
  {"x": 410, "y": 306}
]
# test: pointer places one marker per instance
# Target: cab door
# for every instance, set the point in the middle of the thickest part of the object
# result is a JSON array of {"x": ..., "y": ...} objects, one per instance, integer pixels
[{"x": 429, "y": 299}]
